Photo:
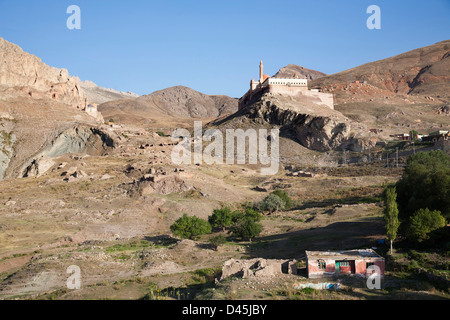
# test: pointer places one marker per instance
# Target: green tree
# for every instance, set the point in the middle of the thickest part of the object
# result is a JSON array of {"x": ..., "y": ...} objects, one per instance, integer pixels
[
  {"x": 423, "y": 222},
  {"x": 246, "y": 228},
  {"x": 221, "y": 218},
  {"x": 217, "y": 241},
  {"x": 190, "y": 227},
  {"x": 425, "y": 184},
  {"x": 252, "y": 214},
  {"x": 391, "y": 215},
  {"x": 285, "y": 197},
  {"x": 272, "y": 203}
]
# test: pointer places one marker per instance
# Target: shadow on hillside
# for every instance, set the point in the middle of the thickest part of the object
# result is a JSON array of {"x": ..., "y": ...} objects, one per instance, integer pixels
[
  {"x": 336, "y": 236},
  {"x": 162, "y": 240}
]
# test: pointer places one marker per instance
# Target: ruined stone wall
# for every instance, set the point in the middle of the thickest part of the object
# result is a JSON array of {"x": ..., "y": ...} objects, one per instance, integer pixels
[{"x": 257, "y": 267}]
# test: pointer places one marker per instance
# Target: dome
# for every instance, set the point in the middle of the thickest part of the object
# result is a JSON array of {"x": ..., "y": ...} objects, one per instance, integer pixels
[{"x": 265, "y": 77}]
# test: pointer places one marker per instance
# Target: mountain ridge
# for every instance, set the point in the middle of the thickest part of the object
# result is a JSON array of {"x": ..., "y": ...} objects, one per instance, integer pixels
[{"x": 176, "y": 101}]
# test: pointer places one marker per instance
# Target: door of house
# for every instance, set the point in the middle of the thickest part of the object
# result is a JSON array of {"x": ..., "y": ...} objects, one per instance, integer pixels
[
  {"x": 338, "y": 267},
  {"x": 344, "y": 267}
]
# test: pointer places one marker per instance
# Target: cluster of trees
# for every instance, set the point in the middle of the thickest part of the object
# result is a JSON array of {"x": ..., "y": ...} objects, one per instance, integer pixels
[
  {"x": 419, "y": 203},
  {"x": 244, "y": 223}
]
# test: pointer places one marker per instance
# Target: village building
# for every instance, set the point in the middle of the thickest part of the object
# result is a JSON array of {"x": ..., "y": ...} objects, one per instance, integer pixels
[
  {"x": 328, "y": 263},
  {"x": 297, "y": 88}
]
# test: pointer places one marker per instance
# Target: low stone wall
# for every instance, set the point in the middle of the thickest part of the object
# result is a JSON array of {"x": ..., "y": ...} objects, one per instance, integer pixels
[{"x": 257, "y": 268}]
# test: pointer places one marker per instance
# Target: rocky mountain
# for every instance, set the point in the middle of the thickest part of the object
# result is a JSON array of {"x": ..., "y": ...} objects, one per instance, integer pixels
[
  {"x": 41, "y": 115},
  {"x": 424, "y": 71},
  {"x": 298, "y": 72},
  {"x": 99, "y": 95},
  {"x": 177, "y": 102},
  {"x": 23, "y": 74}
]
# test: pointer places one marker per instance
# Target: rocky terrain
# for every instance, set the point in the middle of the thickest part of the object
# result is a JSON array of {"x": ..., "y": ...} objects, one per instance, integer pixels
[
  {"x": 102, "y": 196},
  {"x": 23, "y": 74},
  {"x": 299, "y": 72},
  {"x": 420, "y": 72},
  {"x": 175, "y": 102},
  {"x": 99, "y": 95},
  {"x": 314, "y": 127},
  {"x": 40, "y": 111}
]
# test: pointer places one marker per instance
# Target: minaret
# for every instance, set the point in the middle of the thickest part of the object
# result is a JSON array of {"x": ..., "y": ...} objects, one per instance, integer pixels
[{"x": 261, "y": 72}]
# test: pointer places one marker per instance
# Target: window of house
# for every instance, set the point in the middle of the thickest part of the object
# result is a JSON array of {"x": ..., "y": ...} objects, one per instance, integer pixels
[
  {"x": 369, "y": 264},
  {"x": 345, "y": 264},
  {"x": 322, "y": 265}
]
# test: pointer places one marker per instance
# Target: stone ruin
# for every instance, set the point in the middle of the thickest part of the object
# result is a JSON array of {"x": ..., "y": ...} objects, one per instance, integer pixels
[{"x": 257, "y": 268}]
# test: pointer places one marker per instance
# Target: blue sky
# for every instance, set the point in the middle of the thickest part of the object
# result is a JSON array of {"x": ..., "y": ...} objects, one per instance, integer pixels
[{"x": 215, "y": 46}]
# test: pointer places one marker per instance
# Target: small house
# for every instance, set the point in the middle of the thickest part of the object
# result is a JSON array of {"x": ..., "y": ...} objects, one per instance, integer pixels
[{"x": 328, "y": 263}]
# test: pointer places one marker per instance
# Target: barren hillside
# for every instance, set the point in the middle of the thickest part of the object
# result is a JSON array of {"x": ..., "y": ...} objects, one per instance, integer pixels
[
  {"x": 101, "y": 95},
  {"x": 40, "y": 108},
  {"x": 424, "y": 71},
  {"x": 295, "y": 71},
  {"x": 176, "y": 102}
]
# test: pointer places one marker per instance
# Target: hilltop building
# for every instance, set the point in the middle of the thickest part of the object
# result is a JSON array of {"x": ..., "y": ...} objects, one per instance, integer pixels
[
  {"x": 92, "y": 110},
  {"x": 297, "y": 88}
]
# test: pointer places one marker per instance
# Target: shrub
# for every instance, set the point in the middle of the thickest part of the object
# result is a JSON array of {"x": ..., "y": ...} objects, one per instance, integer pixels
[
  {"x": 218, "y": 241},
  {"x": 285, "y": 197},
  {"x": 190, "y": 227},
  {"x": 272, "y": 203},
  {"x": 423, "y": 222}
]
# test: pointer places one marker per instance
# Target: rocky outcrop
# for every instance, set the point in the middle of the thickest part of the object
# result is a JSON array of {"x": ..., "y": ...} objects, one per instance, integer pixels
[
  {"x": 445, "y": 110},
  {"x": 7, "y": 141},
  {"x": 23, "y": 74},
  {"x": 92, "y": 141},
  {"x": 316, "y": 127}
]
